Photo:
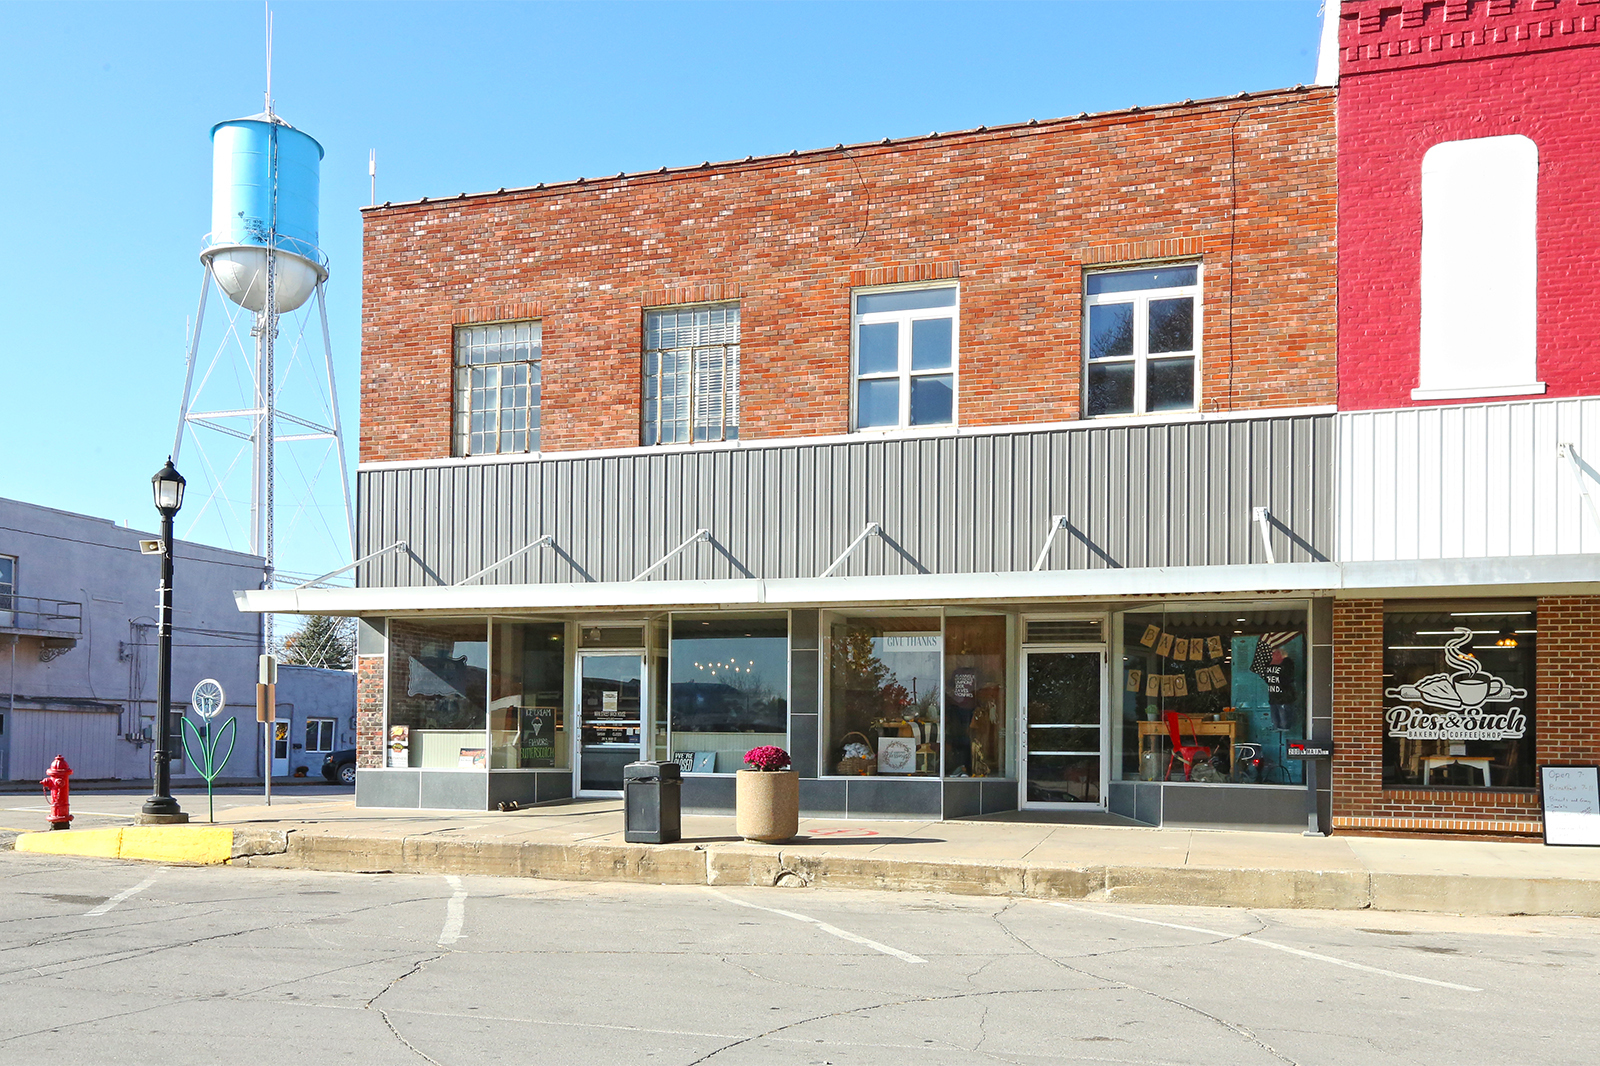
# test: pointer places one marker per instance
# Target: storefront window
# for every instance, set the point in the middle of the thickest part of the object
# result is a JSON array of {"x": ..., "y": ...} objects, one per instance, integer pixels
[
  {"x": 438, "y": 673},
  {"x": 1458, "y": 696},
  {"x": 527, "y": 708},
  {"x": 975, "y": 696},
  {"x": 730, "y": 689},
  {"x": 1211, "y": 695},
  {"x": 884, "y": 695}
]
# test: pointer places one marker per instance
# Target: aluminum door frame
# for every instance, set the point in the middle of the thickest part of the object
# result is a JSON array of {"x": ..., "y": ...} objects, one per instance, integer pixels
[
  {"x": 645, "y": 693},
  {"x": 1023, "y": 803}
]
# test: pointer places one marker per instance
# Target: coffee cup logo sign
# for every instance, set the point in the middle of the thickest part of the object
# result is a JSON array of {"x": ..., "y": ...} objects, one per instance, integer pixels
[{"x": 1465, "y": 702}]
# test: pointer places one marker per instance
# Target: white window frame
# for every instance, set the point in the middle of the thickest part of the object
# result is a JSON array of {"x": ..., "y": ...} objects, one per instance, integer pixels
[
  {"x": 461, "y": 390},
  {"x": 904, "y": 374},
  {"x": 333, "y": 735},
  {"x": 1141, "y": 356},
  {"x": 8, "y": 589},
  {"x": 730, "y": 362}
]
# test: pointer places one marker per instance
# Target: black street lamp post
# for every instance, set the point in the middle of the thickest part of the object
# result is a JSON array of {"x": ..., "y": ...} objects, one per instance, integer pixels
[{"x": 161, "y": 807}]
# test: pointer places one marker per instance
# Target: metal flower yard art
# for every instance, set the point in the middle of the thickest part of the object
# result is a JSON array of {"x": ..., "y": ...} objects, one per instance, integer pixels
[{"x": 208, "y": 701}]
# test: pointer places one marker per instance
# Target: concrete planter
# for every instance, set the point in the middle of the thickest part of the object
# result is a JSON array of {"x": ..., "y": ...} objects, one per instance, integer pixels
[{"x": 767, "y": 805}]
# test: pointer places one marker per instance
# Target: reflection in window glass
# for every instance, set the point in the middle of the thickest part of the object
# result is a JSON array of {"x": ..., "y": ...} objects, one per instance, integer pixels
[
  {"x": 730, "y": 689},
  {"x": 975, "y": 696},
  {"x": 1231, "y": 682},
  {"x": 527, "y": 712},
  {"x": 884, "y": 684},
  {"x": 437, "y": 683},
  {"x": 1458, "y": 697},
  {"x": 1110, "y": 388},
  {"x": 933, "y": 400}
]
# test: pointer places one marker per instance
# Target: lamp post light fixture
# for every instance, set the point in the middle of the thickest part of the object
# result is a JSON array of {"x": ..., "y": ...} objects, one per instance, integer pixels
[{"x": 161, "y": 808}]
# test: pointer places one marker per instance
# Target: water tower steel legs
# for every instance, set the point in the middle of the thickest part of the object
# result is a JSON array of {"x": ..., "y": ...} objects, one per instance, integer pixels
[{"x": 263, "y": 414}]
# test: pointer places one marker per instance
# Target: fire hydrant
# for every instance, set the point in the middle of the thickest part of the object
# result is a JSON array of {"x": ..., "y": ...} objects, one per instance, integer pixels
[{"x": 56, "y": 786}]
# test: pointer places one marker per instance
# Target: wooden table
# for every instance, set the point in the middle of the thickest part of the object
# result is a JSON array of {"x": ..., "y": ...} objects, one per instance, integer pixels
[
  {"x": 1188, "y": 726},
  {"x": 1432, "y": 762}
]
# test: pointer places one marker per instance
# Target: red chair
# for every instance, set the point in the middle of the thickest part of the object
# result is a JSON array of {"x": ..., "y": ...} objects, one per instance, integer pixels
[{"x": 1188, "y": 753}]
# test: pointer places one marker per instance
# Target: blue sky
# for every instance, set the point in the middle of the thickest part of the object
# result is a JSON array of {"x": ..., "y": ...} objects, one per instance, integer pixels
[{"x": 105, "y": 165}]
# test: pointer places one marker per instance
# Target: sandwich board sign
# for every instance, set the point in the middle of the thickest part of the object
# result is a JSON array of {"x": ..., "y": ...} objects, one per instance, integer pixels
[{"x": 1570, "y": 799}]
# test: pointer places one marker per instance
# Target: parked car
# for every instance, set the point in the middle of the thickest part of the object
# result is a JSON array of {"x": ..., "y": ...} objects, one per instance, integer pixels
[{"x": 340, "y": 767}]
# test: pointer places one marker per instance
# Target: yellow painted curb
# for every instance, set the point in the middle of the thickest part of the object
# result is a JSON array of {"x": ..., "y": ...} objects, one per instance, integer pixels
[{"x": 191, "y": 845}]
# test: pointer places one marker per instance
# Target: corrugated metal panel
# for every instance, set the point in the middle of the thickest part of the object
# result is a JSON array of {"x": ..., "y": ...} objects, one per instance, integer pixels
[
  {"x": 88, "y": 739},
  {"x": 1134, "y": 495},
  {"x": 1469, "y": 481}
]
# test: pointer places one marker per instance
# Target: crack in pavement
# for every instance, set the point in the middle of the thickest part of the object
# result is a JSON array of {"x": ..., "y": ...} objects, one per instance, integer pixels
[
  {"x": 906, "y": 1002},
  {"x": 416, "y": 968},
  {"x": 1233, "y": 1027}
]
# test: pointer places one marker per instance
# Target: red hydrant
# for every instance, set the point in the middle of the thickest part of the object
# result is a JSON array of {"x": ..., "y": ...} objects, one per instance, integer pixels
[{"x": 56, "y": 787}]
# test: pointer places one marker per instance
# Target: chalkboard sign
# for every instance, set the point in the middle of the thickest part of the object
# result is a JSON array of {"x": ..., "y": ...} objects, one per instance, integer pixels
[
  {"x": 1570, "y": 798},
  {"x": 538, "y": 739}
]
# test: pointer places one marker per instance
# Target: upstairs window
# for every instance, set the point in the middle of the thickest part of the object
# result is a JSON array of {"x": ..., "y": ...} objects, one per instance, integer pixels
[
  {"x": 8, "y": 580},
  {"x": 497, "y": 388},
  {"x": 1142, "y": 334},
  {"x": 691, "y": 374},
  {"x": 905, "y": 358}
]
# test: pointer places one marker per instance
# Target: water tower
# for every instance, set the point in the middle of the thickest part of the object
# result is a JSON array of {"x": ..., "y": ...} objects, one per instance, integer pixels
[{"x": 264, "y": 394}]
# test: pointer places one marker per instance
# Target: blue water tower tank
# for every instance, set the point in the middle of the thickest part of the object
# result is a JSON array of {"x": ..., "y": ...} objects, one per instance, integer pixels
[{"x": 265, "y": 176}]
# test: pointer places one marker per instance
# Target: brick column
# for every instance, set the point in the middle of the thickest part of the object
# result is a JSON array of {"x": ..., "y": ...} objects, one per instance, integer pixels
[
  {"x": 1357, "y": 707},
  {"x": 369, "y": 711},
  {"x": 1568, "y": 681}
]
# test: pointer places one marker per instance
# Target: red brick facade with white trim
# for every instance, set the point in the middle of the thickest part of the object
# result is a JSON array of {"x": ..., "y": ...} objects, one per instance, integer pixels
[{"x": 1415, "y": 74}]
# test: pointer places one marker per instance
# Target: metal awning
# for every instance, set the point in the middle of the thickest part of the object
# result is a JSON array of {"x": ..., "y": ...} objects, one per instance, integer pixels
[{"x": 1519, "y": 576}]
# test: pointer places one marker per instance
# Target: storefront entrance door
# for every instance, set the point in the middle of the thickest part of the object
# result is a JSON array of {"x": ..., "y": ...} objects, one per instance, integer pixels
[
  {"x": 610, "y": 730},
  {"x": 1063, "y": 710}
]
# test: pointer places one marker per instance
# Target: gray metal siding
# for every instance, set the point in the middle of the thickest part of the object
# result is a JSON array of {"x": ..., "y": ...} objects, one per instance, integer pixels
[{"x": 1135, "y": 496}]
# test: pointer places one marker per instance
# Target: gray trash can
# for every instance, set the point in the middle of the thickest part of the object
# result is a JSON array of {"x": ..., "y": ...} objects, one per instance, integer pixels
[{"x": 652, "y": 803}]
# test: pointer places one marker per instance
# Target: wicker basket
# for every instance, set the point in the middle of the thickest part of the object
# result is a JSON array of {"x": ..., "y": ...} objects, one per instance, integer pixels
[{"x": 857, "y": 765}]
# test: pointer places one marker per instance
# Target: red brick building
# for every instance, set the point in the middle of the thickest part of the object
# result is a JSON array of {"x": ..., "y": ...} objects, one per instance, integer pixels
[
  {"x": 1014, "y": 214},
  {"x": 973, "y": 469},
  {"x": 1467, "y": 386}
]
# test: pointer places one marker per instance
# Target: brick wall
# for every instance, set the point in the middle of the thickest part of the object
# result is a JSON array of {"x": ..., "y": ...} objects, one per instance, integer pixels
[
  {"x": 1567, "y": 724},
  {"x": 1014, "y": 213},
  {"x": 1413, "y": 75},
  {"x": 369, "y": 711},
  {"x": 1357, "y": 706},
  {"x": 1569, "y": 680}
]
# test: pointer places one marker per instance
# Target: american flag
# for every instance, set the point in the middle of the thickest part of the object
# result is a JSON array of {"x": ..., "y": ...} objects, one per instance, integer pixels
[{"x": 1268, "y": 643}]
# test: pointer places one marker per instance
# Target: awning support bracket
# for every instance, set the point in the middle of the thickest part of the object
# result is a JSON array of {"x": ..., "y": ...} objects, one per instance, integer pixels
[
  {"x": 1262, "y": 517},
  {"x": 398, "y": 545},
  {"x": 696, "y": 536},
  {"x": 546, "y": 540},
  {"x": 1578, "y": 466},
  {"x": 873, "y": 529},
  {"x": 1058, "y": 522}
]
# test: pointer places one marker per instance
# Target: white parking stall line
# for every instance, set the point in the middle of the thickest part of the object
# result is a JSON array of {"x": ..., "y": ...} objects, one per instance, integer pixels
[
  {"x": 455, "y": 912},
  {"x": 831, "y": 930},
  {"x": 1258, "y": 942},
  {"x": 119, "y": 897}
]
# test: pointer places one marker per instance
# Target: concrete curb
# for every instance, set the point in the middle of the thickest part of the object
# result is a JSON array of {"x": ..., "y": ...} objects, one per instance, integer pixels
[
  {"x": 767, "y": 867},
  {"x": 182, "y": 845}
]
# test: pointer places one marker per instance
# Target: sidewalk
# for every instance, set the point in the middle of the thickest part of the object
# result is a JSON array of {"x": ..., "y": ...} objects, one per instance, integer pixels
[{"x": 582, "y": 841}]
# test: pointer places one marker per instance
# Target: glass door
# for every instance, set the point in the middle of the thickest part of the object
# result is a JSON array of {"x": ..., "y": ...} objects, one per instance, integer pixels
[
  {"x": 1063, "y": 711},
  {"x": 610, "y": 731}
]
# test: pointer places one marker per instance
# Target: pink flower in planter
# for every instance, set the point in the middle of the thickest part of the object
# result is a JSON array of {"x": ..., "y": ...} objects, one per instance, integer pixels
[{"x": 767, "y": 757}]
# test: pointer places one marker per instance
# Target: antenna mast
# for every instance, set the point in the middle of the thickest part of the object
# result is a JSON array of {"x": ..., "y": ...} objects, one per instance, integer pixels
[{"x": 266, "y": 7}]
